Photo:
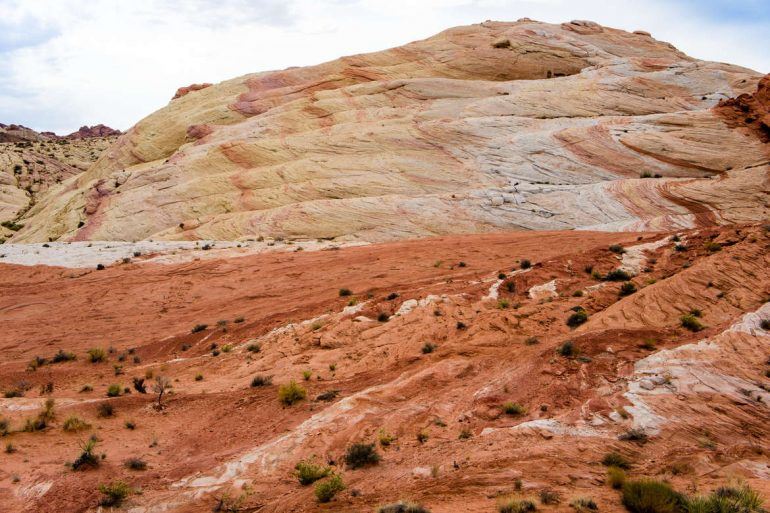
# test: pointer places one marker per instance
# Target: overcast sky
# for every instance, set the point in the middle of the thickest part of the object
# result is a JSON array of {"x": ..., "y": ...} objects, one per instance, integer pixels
[{"x": 67, "y": 63}]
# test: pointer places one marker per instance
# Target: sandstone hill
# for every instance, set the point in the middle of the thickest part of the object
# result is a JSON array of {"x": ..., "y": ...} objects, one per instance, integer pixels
[{"x": 493, "y": 126}]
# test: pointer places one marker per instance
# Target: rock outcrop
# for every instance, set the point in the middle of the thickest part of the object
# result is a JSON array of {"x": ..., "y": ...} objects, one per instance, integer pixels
[{"x": 563, "y": 126}]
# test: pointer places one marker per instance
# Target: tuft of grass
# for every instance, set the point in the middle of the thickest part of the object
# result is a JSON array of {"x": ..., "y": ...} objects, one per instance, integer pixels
[
  {"x": 291, "y": 393},
  {"x": 63, "y": 356},
  {"x": 503, "y": 303},
  {"x": 308, "y": 472},
  {"x": 307, "y": 374},
  {"x": 691, "y": 322},
  {"x": 617, "y": 275},
  {"x": 511, "y": 408},
  {"x": 253, "y": 348},
  {"x": 326, "y": 490},
  {"x": 361, "y": 455},
  {"x": 130, "y": 425},
  {"x": 96, "y": 355},
  {"x": 422, "y": 437},
  {"x": 105, "y": 410},
  {"x": 114, "y": 493},
  {"x": 73, "y": 424},
  {"x": 614, "y": 459},
  {"x": 584, "y": 504},
  {"x": 531, "y": 341},
  {"x": 616, "y": 477},
  {"x": 113, "y": 390},
  {"x": 549, "y": 497},
  {"x": 513, "y": 505},
  {"x": 135, "y": 464},
  {"x": 385, "y": 438},
  {"x": 651, "y": 496},
  {"x": 199, "y": 377},
  {"x": 261, "y": 381},
  {"x": 727, "y": 499}
]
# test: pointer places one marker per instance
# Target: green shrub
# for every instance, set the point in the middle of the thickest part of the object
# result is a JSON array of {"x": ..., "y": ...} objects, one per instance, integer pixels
[
  {"x": 613, "y": 459},
  {"x": 87, "y": 458},
  {"x": 73, "y": 424},
  {"x": 198, "y": 327},
  {"x": 253, "y": 348},
  {"x": 627, "y": 289},
  {"x": 383, "y": 317},
  {"x": 96, "y": 355},
  {"x": 63, "y": 356},
  {"x": 567, "y": 349},
  {"x": 345, "y": 292},
  {"x": 691, "y": 322},
  {"x": 510, "y": 408},
  {"x": 428, "y": 348},
  {"x": 385, "y": 438},
  {"x": 740, "y": 499},
  {"x": 113, "y": 390},
  {"x": 549, "y": 497},
  {"x": 712, "y": 247},
  {"x": 308, "y": 472},
  {"x": 114, "y": 493},
  {"x": 516, "y": 506},
  {"x": 577, "y": 318},
  {"x": 617, "y": 275},
  {"x": 403, "y": 507},
  {"x": 616, "y": 477},
  {"x": 617, "y": 248},
  {"x": 526, "y": 264},
  {"x": 327, "y": 489},
  {"x": 360, "y": 455},
  {"x": 135, "y": 464},
  {"x": 291, "y": 393},
  {"x": 105, "y": 410},
  {"x": 651, "y": 496}
]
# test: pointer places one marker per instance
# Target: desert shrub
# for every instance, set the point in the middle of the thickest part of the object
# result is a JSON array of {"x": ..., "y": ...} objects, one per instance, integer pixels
[
  {"x": 35, "y": 424},
  {"x": 680, "y": 248},
  {"x": 614, "y": 459},
  {"x": 617, "y": 275},
  {"x": 308, "y": 472},
  {"x": 328, "y": 488},
  {"x": 531, "y": 341},
  {"x": 87, "y": 458},
  {"x": 510, "y": 408},
  {"x": 651, "y": 496},
  {"x": 461, "y": 325},
  {"x": 549, "y": 497},
  {"x": 139, "y": 385},
  {"x": 114, "y": 494},
  {"x": 86, "y": 388},
  {"x": 503, "y": 303},
  {"x": 627, "y": 289},
  {"x": 130, "y": 425},
  {"x": 360, "y": 455},
  {"x": 525, "y": 264},
  {"x": 261, "y": 381},
  {"x": 501, "y": 276},
  {"x": 422, "y": 437},
  {"x": 516, "y": 506},
  {"x": 291, "y": 393},
  {"x": 198, "y": 328},
  {"x": 617, "y": 248},
  {"x": 73, "y": 424},
  {"x": 465, "y": 434},
  {"x": 253, "y": 348},
  {"x": 584, "y": 504},
  {"x": 385, "y": 438},
  {"x": 577, "y": 318},
  {"x": 329, "y": 395},
  {"x": 227, "y": 348},
  {"x": 345, "y": 292},
  {"x": 403, "y": 507},
  {"x": 577, "y": 293},
  {"x": 691, "y": 322},
  {"x": 239, "y": 320},
  {"x": 113, "y": 390},
  {"x": 96, "y": 355},
  {"x": 383, "y": 317},
  {"x": 10, "y": 448},
  {"x": 391, "y": 296},
  {"x": 307, "y": 374},
  {"x": 567, "y": 349},
  {"x": 5, "y": 426},
  {"x": 616, "y": 477},
  {"x": 105, "y": 410},
  {"x": 13, "y": 392},
  {"x": 199, "y": 377},
  {"x": 740, "y": 499},
  {"x": 135, "y": 464},
  {"x": 712, "y": 247},
  {"x": 634, "y": 435},
  {"x": 428, "y": 348}
]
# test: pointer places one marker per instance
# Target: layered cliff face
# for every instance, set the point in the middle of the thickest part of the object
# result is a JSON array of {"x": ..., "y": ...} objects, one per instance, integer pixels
[{"x": 494, "y": 126}]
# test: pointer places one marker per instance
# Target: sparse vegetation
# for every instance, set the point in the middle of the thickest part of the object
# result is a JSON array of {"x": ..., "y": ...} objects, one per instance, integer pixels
[
  {"x": 525, "y": 264},
  {"x": 403, "y": 507},
  {"x": 577, "y": 318},
  {"x": 96, "y": 355},
  {"x": 135, "y": 464},
  {"x": 63, "y": 356},
  {"x": 514, "y": 505},
  {"x": 326, "y": 490},
  {"x": 105, "y": 410},
  {"x": 651, "y": 496},
  {"x": 253, "y": 348},
  {"x": 626, "y": 289},
  {"x": 567, "y": 349},
  {"x": 345, "y": 292},
  {"x": 549, "y": 497},
  {"x": 584, "y": 504},
  {"x": 73, "y": 424},
  {"x": 503, "y": 303},
  {"x": 616, "y": 477},
  {"x": 383, "y": 317},
  {"x": 87, "y": 459},
  {"x": 261, "y": 381},
  {"x": 114, "y": 494},
  {"x": 198, "y": 328},
  {"x": 617, "y": 275},
  {"x": 614, "y": 459},
  {"x": 160, "y": 386},
  {"x": 511, "y": 408},
  {"x": 291, "y": 393},
  {"x": 113, "y": 390},
  {"x": 617, "y": 249},
  {"x": 385, "y": 438},
  {"x": 531, "y": 341},
  {"x": 634, "y": 435},
  {"x": 360, "y": 455},
  {"x": 691, "y": 322},
  {"x": 308, "y": 472},
  {"x": 422, "y": 436},
  {"x": 428, "y": 348}
]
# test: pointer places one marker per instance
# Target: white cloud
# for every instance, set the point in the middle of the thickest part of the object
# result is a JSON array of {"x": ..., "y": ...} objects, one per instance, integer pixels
[{"x": 75, "y": 62}]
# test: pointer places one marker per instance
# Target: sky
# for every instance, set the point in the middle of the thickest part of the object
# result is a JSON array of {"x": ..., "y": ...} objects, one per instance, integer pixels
[{"x": 67, "y": 63}]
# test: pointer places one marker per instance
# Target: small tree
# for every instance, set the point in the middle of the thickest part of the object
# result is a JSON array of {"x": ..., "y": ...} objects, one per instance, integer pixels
[{"x": 161, "y": 384}]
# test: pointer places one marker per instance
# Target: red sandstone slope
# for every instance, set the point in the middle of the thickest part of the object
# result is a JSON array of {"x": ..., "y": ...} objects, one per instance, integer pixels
[{"x": 703, "y": 405}]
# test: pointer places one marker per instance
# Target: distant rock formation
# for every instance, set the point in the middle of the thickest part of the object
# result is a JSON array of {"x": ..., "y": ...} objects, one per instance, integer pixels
[
  {"x": 21, "y": 133},
  {"x": 190, "y": 88}
]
